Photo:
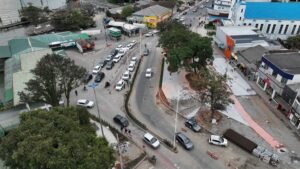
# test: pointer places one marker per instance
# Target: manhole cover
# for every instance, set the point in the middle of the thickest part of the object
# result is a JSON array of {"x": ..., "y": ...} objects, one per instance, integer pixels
[{"x": 282, "y": 150}]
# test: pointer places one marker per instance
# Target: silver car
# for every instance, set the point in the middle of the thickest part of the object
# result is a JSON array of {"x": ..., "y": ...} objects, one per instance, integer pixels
[{"x": 184, "y": 141}]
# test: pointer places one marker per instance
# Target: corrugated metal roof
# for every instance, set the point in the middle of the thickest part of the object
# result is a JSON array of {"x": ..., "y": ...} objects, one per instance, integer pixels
[
  {"x": 272, "y": 10},
  {"x": 5, "y": 52},
  {"x": 155, "y": 10},
  {"x": 24, "y": 45},
  {"x": 60, "y": 37}
]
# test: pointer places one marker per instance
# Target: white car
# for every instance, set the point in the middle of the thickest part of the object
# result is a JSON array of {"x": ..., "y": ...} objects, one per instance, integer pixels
[
  {"x": 151, "y": 140},
  {"x": 148, "y": 34},
  {"x": 133, "y": 42},
  {"x": 96, "y": 69},
  {"x": 122, "y": 52},
  {"x": 120, "y": 85},
  {"x": 126, "y": 75},
  {"x": 119, "y": 47},
  {"x": 155, "y": 31},
  {"x": 131, "y": 67},
  {"x": 148, "y": 73},
  {"x": 108, "y": 58},
  {"x": 129, "y": 46},
  {"x": 85, "y": 103},
  {"x": 218, "y": 140},
  {"x": 181, "y": 19},
  {"x": 117, "y": 58},
  {"x": 133, "y": 60}
]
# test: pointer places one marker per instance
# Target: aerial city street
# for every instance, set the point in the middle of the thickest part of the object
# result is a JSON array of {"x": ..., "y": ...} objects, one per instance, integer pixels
[{"x": 185, "y": 84}]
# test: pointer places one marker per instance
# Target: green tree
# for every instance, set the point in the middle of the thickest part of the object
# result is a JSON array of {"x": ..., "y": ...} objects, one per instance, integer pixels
[
  {"x": 127, "y": 11},
  {"x": 71, "y": 20},
  {"x": 33, "y": 14},
  {"x": 53, "y": 76},
  {"x": 185, "y": 48},
  {"x": 293, "y": 42},
  {"x": 215, "y": 91},
  {"x": 55, "y": 139}
]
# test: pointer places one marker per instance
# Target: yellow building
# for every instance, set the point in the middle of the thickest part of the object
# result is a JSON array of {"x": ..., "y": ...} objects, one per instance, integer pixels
[{"x": 152, "y": 15}]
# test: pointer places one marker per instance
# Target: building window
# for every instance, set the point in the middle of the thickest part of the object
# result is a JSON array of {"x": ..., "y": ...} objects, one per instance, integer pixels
[
  {"x": 273, "y": 28},
  {"x": 298, "y": 31},
  {"x": 268, "y": 28},
  {"x": 261, "y": 27},
  {"x": 280, "y": 29},
  {"x": 284, "y": 80},
  {"x": 286, "y": 28},
  {"x": 274, "y": 74},
  {"x": 293, "y": 30},
  {"x": 256, "y": 25}
]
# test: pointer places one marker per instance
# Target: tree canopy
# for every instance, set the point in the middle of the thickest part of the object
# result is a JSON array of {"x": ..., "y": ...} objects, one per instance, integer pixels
[
  {"x": 293, "y": 42},
  {"x": 34, "y": 14},
  {"x": 185, "y": 48},
  {"x": 127, "y": 11},
  {"x": 71, "y": 20},
  {"x": 54, "y": 75},
  {"x": 55, "y": 139}
]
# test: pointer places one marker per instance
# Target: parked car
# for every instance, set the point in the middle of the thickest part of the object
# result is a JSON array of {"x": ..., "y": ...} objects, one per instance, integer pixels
[
  {"x": 148, "y": 34},
  {"x": 133, "y": 42},
  {"x": 96, "y": 69},
  {"x": 99, "y": 77},
  {"x": 133, "y": 60},
  {"x": 131, "y": 67},
  {"x": 148, "y": 73},
  {"x": 85, "y": 103},
  {"x": 129, "y": 45},
  {"x": 119, "y": 47},
  {"x": 116, "y": 59},
  {"x": 126, "y": 75},
  {"x": 120, "y": 85},
  {"x": 184, "y": 141},
  {"x": 87, "y": 77},
  {"x": 151, "y": 140},
  {"x": 114, "y": 52},
  {"x": 218, "y": 140},
  {"x": 181, "y": 19},
  {"x": 155, "y": 31},
  {"x": 102, "y": 63},
  {"x": 122, "y": 52},
  {"x": 192, "y": 124},
  {"x": 120, "y": 120},
  {"x": 109, "y": 58},
  {"x": 110, "y": 65}
]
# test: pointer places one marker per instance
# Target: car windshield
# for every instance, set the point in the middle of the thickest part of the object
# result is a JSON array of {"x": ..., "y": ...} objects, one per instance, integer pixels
[
  {"x": 123, "y": 120},
  {"x": 85, "y": 102},
  {"x": 221, "y": 139},
  {"x": 153, "y": 140}
]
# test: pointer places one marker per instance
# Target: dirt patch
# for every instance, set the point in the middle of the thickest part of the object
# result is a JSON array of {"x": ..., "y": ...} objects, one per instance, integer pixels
[
  {"x": 204, "y": 118},
  {"x": 195, "y": 81}
]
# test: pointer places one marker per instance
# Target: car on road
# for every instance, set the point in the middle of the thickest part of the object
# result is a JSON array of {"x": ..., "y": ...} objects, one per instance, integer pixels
[
  {"x": 131, "y": 67},
  {"x": 133, "y": 60},
  {"x": 110, "y": 65},
  {"x": 119, "y": 47},
  {"x": 109, "y": 58},
  {"x": 148, "y": 73},
  {"x": 87, "y": 77},
  {"x": 126, "y": 75},
  {"x": 146, "y": 52},
  {"x": 114, "y": 52},
  {"x": 122, "y": 52},
  {"x": 129, "y": 45},
  {"x": 151, "y": 140},
  {"x": 184, "y": 141},
  {"x": 117, "y": 58},
  {"x": 85, "y": 103},
  {"x": 120, "y": 120},
  {"x": 181, "y": 19},
  {"x": 96, "y": 69},
  {"x": 218, "y": 140},
  {"x": 155, "y": 31},
  {"x": 102, "y": 63},
  {"x": 99, "y": 77},
  {"x": 120, "y": 85},
  {"x": 149, "y": 34},
  {"x": 192, "y": 124},
  {"x": 133, "y": 42}
]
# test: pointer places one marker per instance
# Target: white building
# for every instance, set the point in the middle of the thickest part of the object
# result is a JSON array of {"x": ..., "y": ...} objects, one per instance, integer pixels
[{"x": 273, "y": 19}]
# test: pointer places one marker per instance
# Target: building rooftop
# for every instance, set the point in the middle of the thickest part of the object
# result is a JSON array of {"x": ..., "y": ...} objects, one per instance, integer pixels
[
  {"x": 238, "y": 30},
  {"x": 272, "y": 10},
  {"x": 287, "y": 61},
  {"x": 252, "y": 54},
  {"x": 5, "y": 52},
  {"x": 155, "y": 10}
]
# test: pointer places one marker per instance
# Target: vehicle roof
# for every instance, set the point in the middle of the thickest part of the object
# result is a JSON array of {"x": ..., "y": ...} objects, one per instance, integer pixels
[
  {"x": 120, "y": 81},
  {"x": 97, "y": 66},
  {"x": 181, "y": 135},
  {"x": 148, "y": 136},
  {"x": 126, "y": 72},
  {"x": 149, "y": 69},
  {"x": 82, "y": 100},
  {"x": 215, "y": 137}
]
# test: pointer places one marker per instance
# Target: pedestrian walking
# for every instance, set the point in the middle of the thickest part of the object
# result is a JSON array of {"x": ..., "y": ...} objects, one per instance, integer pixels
[
  {"x": 129, "y": 132},
  {"x": 76, "y": 92},
  {"x": 125, "y": 130},
  {"x": 122, "y": 129}
]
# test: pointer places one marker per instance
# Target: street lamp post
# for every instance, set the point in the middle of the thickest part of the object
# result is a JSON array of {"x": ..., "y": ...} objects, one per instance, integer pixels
[
  {"x": 98, "y": 111},
  {"x": 176, "y": 117}
]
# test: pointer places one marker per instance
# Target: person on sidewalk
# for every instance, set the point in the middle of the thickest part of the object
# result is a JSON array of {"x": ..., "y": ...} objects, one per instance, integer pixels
[{"x": 76, "y": 92}]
